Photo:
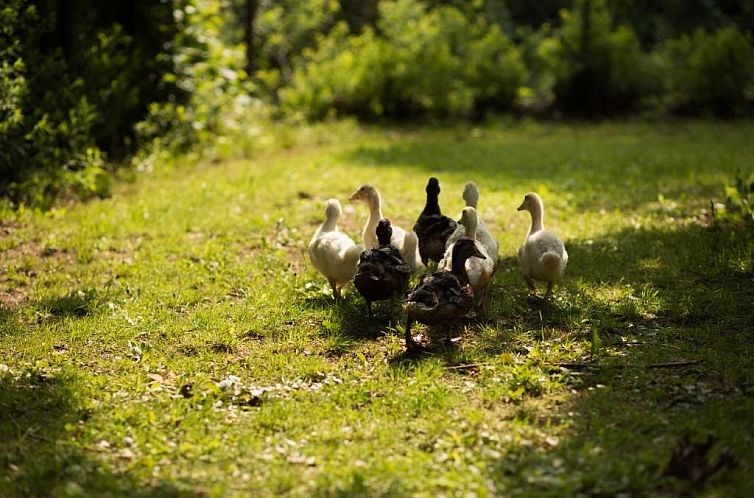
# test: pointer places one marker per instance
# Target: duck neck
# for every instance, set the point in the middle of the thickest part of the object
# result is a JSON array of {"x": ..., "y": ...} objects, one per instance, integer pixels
[
  {"x": 458, "y": 268},
  {"x": 470, "y": 224},
  {"x": 384, "y": 240},
  {"x": 432, "y": 206},
  {"x": 537, "y": 219},
  {"x": 329, "y": 225},
  {"x": 375, "y": 215},
  {"x": 471, "y": 199}
]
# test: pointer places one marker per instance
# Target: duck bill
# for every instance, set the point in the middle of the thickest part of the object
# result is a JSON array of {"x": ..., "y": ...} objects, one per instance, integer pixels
[
  {"x": 354, "y": 197},
  {"x": 521, "y": 207}
]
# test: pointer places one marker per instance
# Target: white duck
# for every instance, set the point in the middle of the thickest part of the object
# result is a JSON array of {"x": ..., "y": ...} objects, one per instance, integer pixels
[
  {"x": 333, "y": 253},
  {"x": 542, "y": 256},
  {"x": 410, "y": 252},
  {"x": 406, "y": 243},
  {"x": 483, "y": 234},
  {"x": 479, "y": 270}
]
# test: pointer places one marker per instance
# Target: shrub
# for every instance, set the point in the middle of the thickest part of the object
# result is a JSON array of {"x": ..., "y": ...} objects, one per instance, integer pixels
[
  {"x": 423, "y": 62},
  {"x": 72, "y": 84},
  {"x": 597, "y": 69},
  {"x": 213, "y": 115},
  {"x": 711, "y": 72},
  {"x": 46, "y": 143},
  {"x": 344, "y": 74}
]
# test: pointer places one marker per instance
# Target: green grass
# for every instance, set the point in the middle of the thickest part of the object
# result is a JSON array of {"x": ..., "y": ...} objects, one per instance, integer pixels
[{"x": 121, "y": 317}]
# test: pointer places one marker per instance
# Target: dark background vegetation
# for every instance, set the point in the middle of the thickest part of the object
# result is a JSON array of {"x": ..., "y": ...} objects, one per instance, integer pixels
[{"x": 86, "y": 86}]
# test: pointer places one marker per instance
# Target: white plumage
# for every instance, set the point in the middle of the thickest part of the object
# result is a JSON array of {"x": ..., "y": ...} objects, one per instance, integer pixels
[
  {"x": 479, "y": 270},
  {"x": 333, "y": 253},
  {"x": 542, "y": 256},
  {"x": 403, "y": 241},
  {"x": 483, "y": 234}
]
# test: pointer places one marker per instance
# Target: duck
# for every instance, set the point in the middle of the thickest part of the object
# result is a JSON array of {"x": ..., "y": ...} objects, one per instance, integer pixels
[
  {"x": 542, "y": 256},
  {"x": 369, "y": 195},
  {"x": 483, "y": 235},
  {"x": 411, "y": 252},
  {"x": 441, "y": 297},
  {"x": 333, "y": 253},
  {"x": 479, "y": 270},
  {"x": 433, "y": 228},
  {"x": 381, "y": 273}
]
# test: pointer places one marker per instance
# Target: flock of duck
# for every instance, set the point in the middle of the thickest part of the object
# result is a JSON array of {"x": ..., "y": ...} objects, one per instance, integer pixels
[{"x": 466, "y": 254}]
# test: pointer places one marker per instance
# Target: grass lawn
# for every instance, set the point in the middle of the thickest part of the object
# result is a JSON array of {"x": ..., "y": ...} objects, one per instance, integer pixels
[{"x": 173, "y": 340}]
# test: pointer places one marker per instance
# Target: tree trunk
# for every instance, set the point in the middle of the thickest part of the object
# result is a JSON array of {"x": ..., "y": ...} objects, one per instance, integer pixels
[{"x": 251, "y": 15}]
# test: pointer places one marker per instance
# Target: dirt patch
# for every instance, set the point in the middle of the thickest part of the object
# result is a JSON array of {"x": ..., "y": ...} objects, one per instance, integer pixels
[{"x": 11, "y": 298}]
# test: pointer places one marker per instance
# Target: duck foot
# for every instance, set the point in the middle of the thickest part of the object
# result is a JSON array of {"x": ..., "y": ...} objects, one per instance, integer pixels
[
  {"x": 449, "y": 340},
  {"x": 413, "y": 348},
  {"x": 548, "y": 294},
  {"x": 535, "y": 299}
]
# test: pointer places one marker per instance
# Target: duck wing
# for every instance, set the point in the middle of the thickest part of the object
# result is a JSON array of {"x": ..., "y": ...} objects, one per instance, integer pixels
[
  {"x": 433, "y": 232},
  {"x": 381, "y": 273}
]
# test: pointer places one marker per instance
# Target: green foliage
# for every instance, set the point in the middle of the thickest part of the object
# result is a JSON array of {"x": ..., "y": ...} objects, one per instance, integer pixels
[
  {"x": 85, "y": 85},
  {"x": 739, "y": 197},
  {"x": 711, "y": 72},
  {"x": 285, "y": 29},
  {"x": 345, "y": 74},
  {"x": 433, "y": 62},
  {"x": 74, "y": 81},
  {"x": 218, "y": 108},
  {"x": 597, "y": 69},
  {"x": 46, "y": 143}
]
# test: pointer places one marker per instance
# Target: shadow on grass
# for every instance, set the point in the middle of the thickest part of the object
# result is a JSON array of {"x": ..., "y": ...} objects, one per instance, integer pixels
[
  {"x": 350, "y": 316},
  {"x": 654, "y": 297},
  {"x": 38, "y": 455},
  {"x": 664, "y": 408},
  {"x": 590, "y": 167},
  {"x": 78, "y": 303}
]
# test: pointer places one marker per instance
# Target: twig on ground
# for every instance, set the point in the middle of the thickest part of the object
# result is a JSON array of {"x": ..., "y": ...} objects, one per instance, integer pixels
[
  {"x": 468, "y": 366},
  {"x": 670, "y": 364},
  {"x": 643, "y": 343}
]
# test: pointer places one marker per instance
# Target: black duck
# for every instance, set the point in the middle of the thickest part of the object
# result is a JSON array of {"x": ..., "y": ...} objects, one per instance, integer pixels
[
  {"x": 382, "y": 273},
  {"x": 432, "y": 227}
]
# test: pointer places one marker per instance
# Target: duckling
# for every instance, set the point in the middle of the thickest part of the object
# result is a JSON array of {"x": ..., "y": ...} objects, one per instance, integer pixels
[
  {"x": 369, "y": 195},
  {"x": 411, "y": 252},
  {"x": 483, "y": 235},
  {"x": 442, "y": 296},
  {"x": 542, "y": 256},
  {"x": 382, "y": 273},
  {"x": 432, "y": 228},
  {"x": 471, "y": 198},
  {"x": 333, "y": 253},
  {"x": 479, "y": 270}
]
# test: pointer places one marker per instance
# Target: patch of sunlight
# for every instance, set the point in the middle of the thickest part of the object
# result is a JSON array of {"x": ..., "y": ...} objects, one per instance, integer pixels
[{"x": 650, "y": 264}]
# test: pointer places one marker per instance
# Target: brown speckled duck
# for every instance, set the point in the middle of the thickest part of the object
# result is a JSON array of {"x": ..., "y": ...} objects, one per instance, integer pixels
[
  {"x": 442, "y": 296},
  {"x": 382, "y": 273},
  {"x": 433, "y": 228}
]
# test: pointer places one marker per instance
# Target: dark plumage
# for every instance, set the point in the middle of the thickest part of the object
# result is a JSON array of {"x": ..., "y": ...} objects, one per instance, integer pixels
[
  {"x": 382, "y": 273},
  {"x": 442, "y": 296},
  {"x": 432, "y": 228}
]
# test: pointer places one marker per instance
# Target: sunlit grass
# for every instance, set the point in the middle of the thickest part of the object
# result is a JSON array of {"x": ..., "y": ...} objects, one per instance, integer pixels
[{"x": 173, "y": 339}]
